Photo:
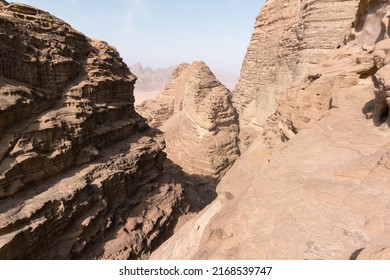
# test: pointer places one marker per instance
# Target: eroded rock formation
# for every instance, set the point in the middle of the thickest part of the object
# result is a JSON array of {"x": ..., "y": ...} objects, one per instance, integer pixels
[
  {"x": 199, "y": 122},
  {"x": 80, "y": 172},
  {"x": 315, "y": 184},
  {"x": 290, "y": 38}
]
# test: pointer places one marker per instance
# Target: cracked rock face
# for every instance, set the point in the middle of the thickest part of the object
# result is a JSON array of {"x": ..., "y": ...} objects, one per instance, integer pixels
[
  {"x": 199, "y": 122},
  {"x": 80, "y": 172}
]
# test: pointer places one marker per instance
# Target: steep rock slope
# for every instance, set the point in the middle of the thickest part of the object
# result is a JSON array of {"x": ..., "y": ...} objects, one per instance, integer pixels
[
  {"x": 198, "y": 119},
  {"x": 78, "y": 166},
  {"x": 315, "y": 185},
  {"x": 289, "y": 38}
]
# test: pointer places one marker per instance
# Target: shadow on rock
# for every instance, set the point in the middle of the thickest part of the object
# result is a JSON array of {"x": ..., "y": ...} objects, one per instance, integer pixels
[
  {"x": 355, "y": 254},
  {"x": 379, "y": 113},
  {"x": 368, "y": 108},
  {"x": 151, "y": 214}
]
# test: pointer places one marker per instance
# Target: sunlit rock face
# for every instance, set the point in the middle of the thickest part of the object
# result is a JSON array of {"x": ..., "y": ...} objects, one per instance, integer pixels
[
  {"x": 199, "y": 122},
  {"x": 289, "y": 38}
]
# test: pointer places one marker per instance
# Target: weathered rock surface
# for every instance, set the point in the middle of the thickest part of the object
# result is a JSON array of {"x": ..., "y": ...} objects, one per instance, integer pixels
[
  {"x": 80, "y": 172},
  {"x": 374, "y": 253},
  {"x": 290, "y": 38},
  {"x": 315, "y": 185},
  {"x": 78, "y": 92},
  {"x": 199, "y": 122}
]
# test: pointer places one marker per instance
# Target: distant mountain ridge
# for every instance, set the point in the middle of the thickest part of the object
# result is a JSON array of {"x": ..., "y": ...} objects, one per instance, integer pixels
[
  {"x": 149, "y": 79},
  {"x": 151, "y": 82}
]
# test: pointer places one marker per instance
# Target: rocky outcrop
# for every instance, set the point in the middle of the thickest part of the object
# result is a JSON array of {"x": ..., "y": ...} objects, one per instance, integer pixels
[
  {"x": 80, "y": 172},
  {"x": 199, "y": 122},
  {"x": 364, "y": 57},
  {"x": 78, "y": 92},
  {"x": 290, "y": 38},
  {"x": 315, "y": 185}
]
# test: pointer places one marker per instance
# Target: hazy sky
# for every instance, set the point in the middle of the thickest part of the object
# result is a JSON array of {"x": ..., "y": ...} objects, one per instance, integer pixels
[{"x": 162, "y": 33}]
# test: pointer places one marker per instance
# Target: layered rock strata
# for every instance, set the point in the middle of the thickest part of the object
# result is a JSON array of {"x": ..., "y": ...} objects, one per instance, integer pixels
[
  {"x": 315, "y": 185},
  {"x": 290, "y": 38},
  {"x": 199, "y": 122},
  {"x": 80, "y": 171}
]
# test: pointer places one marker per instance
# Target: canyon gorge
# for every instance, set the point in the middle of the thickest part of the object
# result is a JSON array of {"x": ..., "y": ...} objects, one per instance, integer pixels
[{"x": 291, "y": 164}]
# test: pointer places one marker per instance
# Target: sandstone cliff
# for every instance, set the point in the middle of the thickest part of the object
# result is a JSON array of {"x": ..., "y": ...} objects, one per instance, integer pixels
[
  {"x": 80, "y": 172},
  {"x": 199, "y": 122},
  {"x": 152, "y": 82},
  {"x": 290, "y": 37},
  {"x": 315, "y": 184}
]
